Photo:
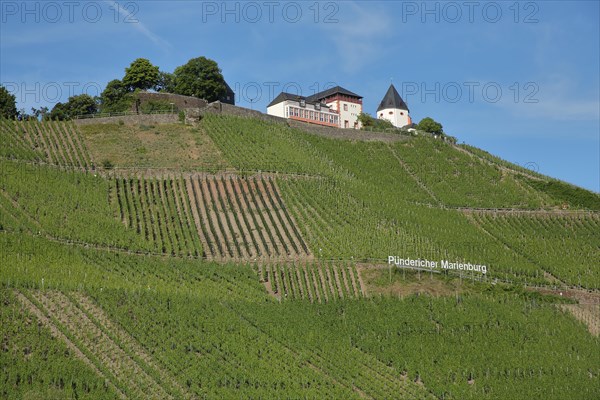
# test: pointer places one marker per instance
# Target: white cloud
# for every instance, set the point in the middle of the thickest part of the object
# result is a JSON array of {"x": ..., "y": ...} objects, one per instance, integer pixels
[
  {"x": 557, "y": 99},
  {"x": 140, "y": 27},
  {"x": 358, "y": 35}
]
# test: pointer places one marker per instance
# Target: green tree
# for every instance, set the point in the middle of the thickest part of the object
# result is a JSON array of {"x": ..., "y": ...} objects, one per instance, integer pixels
[
  {"x": 76, "y": 105},
  {"x": 428, "y": 124},
  {"x": 200, "y": 77},
  {"x": 166, "y": 82},
  {"x": 141, "y": 74},
  {"x": 116, "y": 97},
  {"x": 8, "y": 105},
  {"x": 367, "y": 121}
]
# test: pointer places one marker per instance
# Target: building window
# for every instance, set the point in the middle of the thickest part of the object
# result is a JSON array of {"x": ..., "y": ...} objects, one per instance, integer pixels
[
  {"x": 401, "y": 113},
  {"x": 302, "y": 103},
  {"x": 391, "y": 113},
  {"x": 346, "y": 124},
  {"x": 381, "y": 115},
  {"x": 345, "y": 107},
  {"x": 317, "y": 106}
]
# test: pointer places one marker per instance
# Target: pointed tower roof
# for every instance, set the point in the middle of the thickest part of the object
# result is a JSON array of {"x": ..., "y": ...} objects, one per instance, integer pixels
[{"x": 392, "y": 100}]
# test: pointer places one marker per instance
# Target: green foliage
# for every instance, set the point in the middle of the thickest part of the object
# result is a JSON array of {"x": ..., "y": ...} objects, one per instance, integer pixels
[
  {"x": 82, "y": 104},
  {"x": 8, "y": 107},
  {"x": 427, "y": 124},
  {"x": 460, "y": 180},
  {"x": 107, "y": 164},
  {"x": 200, "y": 77},
  {"x": 151, "y": 106},
  {"x": 63, "y": 204},
  {"x": 251, "y": 144},
  {"x": 116, "y": 97},
  {"x": 565, "y": 246},
  {"x": 37, "y": 366},
  {"x": 370, "y": 123},
  {"x": 166, "y": 82},
  {"x": 564, "y": 192},
  {"x": 141, "y": 74}
]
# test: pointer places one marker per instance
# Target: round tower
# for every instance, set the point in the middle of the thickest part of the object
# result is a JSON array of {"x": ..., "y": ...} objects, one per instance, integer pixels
[{"x": 394, "y": 109}]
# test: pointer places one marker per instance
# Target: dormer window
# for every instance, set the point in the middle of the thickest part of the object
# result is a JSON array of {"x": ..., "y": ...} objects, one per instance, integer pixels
[
  {"x": 302, "y": 103},
  {"x": 317, "y": 106}
]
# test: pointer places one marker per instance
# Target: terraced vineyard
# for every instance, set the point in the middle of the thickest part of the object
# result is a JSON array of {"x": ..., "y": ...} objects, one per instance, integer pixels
[
  {"x": 207, "y": 282},
  {"x": 111, "y": 352},
  {"x": 565, "y": 246},
  {"x": 56, "y": 143},
  {"x": 316, "y": 283},
  {"x": 159, "y": 210},
  {"x": 243, "y": 218}
]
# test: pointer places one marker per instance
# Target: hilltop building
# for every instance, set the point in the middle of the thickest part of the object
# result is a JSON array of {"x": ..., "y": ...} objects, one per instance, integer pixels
[
  {"x": 336, "y": 107},
  {"x": 299, "y": 108},
  {"x": 346, "y": 103},
  {"x": 394, "y": 109},
  {"x": 229, "y": 96}
]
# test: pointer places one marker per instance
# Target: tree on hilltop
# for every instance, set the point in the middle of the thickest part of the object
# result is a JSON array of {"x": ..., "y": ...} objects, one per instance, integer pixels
[
  {"x": 200, "y": 77},
  {"x": 367, "y": 121},
  {"x": 428, "y": 124},
  {"x": 141, "y": 74},
  {"x": 115, "y": 97},
  {"x": 166, "y": 82},
  {"x": 8, "y": 105},
  {"x": 76, "y": 105}
]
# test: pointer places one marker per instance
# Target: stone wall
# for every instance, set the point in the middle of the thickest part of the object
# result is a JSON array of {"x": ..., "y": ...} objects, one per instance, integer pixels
[
  {"x": 180, "y": 102},
  {"x": 131, "y": 119}
]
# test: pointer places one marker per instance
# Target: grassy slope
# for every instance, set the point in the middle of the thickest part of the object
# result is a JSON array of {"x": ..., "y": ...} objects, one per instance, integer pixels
[{"x": 172, "y": 146}]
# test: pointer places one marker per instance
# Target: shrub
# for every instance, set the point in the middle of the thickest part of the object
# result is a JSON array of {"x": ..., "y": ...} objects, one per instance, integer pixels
[
  {"x": 107, "y": 164},
  {"x": 157, "y": 105}
]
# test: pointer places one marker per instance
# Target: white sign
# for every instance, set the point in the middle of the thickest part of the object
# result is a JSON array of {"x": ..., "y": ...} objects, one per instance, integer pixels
[{"x": 443, "y": 264}]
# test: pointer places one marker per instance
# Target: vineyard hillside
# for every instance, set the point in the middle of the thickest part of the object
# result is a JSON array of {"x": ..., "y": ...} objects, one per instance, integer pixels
[{"x": 242, "y": 258}]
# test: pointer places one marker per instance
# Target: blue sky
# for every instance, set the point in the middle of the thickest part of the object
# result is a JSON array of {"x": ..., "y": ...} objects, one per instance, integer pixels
[{"x": 518, "y": 79}]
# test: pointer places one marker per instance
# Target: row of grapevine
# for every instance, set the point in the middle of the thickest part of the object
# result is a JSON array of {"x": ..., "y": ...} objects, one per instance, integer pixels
[
  {"x": 564, "y": 245},
  {"x": 243, "y": 218},
  {"x": 214, "y": 330},
  {"x": 158, "y": 209},
  {"x": 67, "y": 205},
  {"x": 219, "y": 350},
  {"x": 255, "y": 145},
  {"x": 115, "y": 355},
  {"x": 341, "y": 223},
  {"x": 460, "y": 179},
  {"x": 16, "y": 145},
  {"x": 53, "y": 142},
  {"x": 35, "y": 365},
  {"x": 314, "y": 282},
  {"x": 473, "y": 347}
]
